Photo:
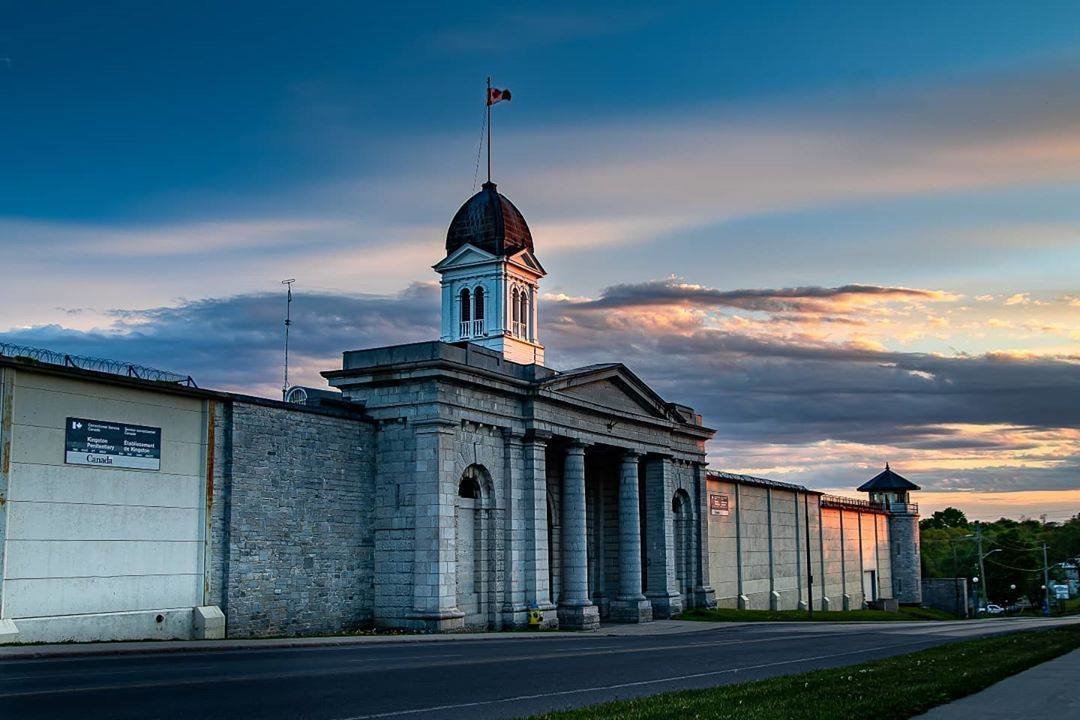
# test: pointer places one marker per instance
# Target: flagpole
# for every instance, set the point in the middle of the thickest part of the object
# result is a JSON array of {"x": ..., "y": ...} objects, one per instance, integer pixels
[{"x": 487, "y": 100}]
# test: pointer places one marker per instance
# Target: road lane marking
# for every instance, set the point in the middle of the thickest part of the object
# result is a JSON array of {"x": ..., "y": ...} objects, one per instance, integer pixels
[{"x": 619, "y": 686}]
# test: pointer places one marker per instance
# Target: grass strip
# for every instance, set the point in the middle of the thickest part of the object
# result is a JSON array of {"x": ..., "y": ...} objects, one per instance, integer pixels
[
  {"x": 889, "y": 689},
  {"x": 732, "y": 615}
]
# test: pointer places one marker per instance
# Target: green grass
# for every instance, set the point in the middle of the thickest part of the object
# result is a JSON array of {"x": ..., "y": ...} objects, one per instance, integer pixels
[
  {"x": 730, "y": 615},
  {"x": 890, "y": 689}
]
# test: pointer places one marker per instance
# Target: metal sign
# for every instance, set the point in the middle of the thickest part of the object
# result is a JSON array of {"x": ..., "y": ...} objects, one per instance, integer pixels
[
  {"x": 112, "y": 444},
  {"x": 718, "y": 505}
]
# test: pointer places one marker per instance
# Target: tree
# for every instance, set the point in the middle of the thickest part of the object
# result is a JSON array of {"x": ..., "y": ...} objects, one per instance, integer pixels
[{"x": 950, "y": 517}]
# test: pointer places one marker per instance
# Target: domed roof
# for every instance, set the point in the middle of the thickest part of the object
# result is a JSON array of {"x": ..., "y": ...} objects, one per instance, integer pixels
[{"x": 489, "y": 221}]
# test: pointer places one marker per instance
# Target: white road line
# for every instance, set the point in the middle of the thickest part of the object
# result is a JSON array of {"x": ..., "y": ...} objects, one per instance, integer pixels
[{"x": 619, "y": 686}]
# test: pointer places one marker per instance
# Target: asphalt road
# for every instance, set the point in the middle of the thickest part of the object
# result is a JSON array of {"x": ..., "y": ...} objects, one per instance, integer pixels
[{"x": 497, "y": 678}]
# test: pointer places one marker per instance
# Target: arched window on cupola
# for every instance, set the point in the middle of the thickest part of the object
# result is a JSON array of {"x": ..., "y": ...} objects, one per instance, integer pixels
[
  {"x": 466, "y": 312},
  {"x": 515, "y": 311},
  {"x": 478, "y": 304},
  {"x": 524, "y": 313}
]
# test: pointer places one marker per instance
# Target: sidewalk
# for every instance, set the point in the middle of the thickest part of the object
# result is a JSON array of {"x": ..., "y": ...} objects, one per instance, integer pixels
[
  {"x": 27, "y": 652},
  {"x": 1050, "y": 690}
]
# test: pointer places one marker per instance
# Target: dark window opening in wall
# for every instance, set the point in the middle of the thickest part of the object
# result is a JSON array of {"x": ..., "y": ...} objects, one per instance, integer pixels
[
  {"x": 469, "y": 488},
  {"x": 479, "y": 302},
  {"x": 466, "y": 307}
]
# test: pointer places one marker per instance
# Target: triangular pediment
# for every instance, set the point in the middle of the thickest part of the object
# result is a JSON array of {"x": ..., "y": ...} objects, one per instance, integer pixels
[
  {"x": 464, "y": 256},
  {"x": 527, "y": 260},
  {"x": 613, "y": 387}
]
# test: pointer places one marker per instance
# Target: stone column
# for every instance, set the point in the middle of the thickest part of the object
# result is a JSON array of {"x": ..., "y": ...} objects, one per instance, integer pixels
[
  {"x": 663, "y": 590},
  {"x": 576, "y": 610},
  {"x": 630, "y": 604},
  {"x": 534, "y": 480},
  {"x": 434, "y": 574},
  {"x": 704, "y": 594},
  {"x": 514, "y": 610}
]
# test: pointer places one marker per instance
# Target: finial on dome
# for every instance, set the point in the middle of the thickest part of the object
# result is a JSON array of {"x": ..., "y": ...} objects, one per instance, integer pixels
[{"x": 886, "y": 464}]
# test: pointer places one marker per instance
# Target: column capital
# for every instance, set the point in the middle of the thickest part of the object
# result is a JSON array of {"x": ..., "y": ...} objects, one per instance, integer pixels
[
  {"x": 575, "y": 445},
  {"x": 539, "y": 437},
  {"x": 630, "y": 454},
  {"x": 510, "y": 435}
]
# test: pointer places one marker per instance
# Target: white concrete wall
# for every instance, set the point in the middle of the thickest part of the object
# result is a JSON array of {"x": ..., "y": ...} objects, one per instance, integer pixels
[
  {"x": 90, "y": 540},
  {"x": 739, "y": 560}
]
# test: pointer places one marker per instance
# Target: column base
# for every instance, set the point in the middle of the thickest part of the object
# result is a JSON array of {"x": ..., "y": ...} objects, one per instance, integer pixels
[
  {"x": 774, "y": 601},
  {"x": 443, "y": 621},
  {"x": 826, "y": 604},
  {"x": 630, "y": 611},
  {"x": 665, "y": 606},
  {"x": 704, "y": 597},
  {"x": 743, "y": 602},
  {"x": 579, "y": 617},
  {"x": 847, "y": 603}
]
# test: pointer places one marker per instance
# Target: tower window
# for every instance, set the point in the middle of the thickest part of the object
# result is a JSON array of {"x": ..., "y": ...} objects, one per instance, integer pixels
[
  {"x": 478, "y": 300},
  {"x": 524, "y": 313},
  {"x": 466, "y": 306}
]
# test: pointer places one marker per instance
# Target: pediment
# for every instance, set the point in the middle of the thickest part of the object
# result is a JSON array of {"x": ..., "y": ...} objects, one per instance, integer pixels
[
  {"x": 613, "y": 387},
  {"x": 464, "y": 256},
  {"x": 528, "y": 261}
]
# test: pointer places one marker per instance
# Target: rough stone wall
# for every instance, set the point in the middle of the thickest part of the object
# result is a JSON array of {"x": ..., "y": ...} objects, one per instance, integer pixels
[
  {"x": 948, "y": 594},
  {"x": 292, "y": 520},
  {"x": 906, "y": 568}
]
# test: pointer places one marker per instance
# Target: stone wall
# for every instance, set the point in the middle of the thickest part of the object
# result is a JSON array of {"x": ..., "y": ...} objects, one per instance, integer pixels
[
  {"x": 948, "y": 594},
  {"x": 906, "y": 559},
  {"x": 292, "y": 519}
]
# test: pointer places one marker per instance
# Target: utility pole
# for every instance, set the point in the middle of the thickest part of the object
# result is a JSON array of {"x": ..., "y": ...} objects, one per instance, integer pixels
[
  {"x": 288, "y": 321},
  {"x": 956, "y": 579},
  {"x": 982, "y": 568},
  {"x": 1046, "y": 584}
]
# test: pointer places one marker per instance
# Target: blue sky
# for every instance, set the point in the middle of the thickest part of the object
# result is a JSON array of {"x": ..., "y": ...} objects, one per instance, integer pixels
[{"x": 165, "y": 165}]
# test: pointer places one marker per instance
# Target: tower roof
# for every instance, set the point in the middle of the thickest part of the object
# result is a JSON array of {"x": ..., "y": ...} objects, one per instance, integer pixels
[
  {"x": 489, "y": 221},
  {"x": 887, "y": 480}
]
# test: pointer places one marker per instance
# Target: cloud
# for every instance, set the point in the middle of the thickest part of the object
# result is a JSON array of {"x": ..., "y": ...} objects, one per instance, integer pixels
[
  {"x": 802, "y": 406},
  {"x": 673, "y": 291}
]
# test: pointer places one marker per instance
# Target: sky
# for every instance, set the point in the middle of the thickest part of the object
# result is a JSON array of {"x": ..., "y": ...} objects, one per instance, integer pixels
[{"x": 845, "y": 232}]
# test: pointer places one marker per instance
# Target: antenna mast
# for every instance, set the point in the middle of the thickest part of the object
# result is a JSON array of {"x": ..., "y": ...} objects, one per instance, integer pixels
[{"x": 288, "y": 321}]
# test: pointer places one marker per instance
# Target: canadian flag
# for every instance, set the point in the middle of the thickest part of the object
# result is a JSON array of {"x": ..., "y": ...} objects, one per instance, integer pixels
[{"x": 495, "y": 95}]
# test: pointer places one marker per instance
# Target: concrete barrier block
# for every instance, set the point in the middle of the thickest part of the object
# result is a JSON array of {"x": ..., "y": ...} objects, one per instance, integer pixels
[
  {"x": 9, "y": 633},
  {"x": 802, "y": 605},
  {"x": 208, "y": 623},
  {"x": 744, "y": 602}
]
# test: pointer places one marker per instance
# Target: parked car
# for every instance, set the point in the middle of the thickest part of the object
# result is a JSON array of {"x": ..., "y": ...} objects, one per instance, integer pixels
[{"x": 992, "y": 609}]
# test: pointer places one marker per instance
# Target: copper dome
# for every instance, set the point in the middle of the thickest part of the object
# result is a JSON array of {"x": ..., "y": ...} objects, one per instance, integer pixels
[{"x": 490, "y": 222}]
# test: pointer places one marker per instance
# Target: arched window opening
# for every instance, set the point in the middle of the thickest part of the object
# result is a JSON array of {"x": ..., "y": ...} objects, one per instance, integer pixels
[
  {"x": 466, "y": 306},
  {"x": 478, "y": 302},
  {"x": 471, "y": 485},
  {"x": 515, "y": 311},
  {"x": 468, "y": 317},
  {"x": 682, "y": 509},
  {"x": 524, "y": 314},
  {"x": 468, "y": 488}
]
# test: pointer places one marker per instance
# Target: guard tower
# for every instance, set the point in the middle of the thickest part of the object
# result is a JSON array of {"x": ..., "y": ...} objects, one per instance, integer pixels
[{"x": 891, "y": 492}]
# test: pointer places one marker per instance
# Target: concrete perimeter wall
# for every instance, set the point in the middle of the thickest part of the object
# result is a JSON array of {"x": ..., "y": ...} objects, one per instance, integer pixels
[{"x": 758, "y": 550}]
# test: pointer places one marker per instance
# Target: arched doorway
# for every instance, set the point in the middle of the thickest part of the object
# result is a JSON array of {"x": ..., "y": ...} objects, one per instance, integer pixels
[
  {"x": 684, "y": 523},
  {"x": 471, "y": 545}
]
